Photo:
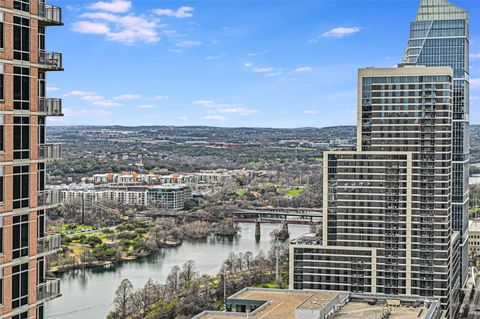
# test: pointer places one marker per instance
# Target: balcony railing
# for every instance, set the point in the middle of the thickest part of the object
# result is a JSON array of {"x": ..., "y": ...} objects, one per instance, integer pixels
[
  {"x": 49, "y": 152},
  {"x": 48, "y": 245},
  {"x": 49, "y": 197},
  {"x": 48, "y": 290},
  {"x": 50, "y": 14},
  {"x": 52, "y": 107},
  {"x": 50, "y": 60}
]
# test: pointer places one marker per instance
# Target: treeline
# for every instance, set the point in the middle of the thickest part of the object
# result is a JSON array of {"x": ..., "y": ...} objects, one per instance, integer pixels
[{"x": 186, "y": 293}]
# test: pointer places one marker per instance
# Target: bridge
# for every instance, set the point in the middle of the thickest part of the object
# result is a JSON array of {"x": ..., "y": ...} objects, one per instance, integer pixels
[{"x": 302, "y": 216}]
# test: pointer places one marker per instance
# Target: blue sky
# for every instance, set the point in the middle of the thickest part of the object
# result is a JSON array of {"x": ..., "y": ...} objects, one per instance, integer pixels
[{"x": 228, "y": 63}]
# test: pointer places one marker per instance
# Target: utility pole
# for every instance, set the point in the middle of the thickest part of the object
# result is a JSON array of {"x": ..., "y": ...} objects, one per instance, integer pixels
[{"x": 225, "y": 288}]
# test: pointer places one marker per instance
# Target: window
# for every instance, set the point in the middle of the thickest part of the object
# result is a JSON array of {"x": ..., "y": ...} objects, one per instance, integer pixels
[
  {"x": 23, "y": 315},
  {"x": 41, "y": 130},
  {"x": 42, "y": 92},
  {"x": 23, "y": 5},
  {"x": 2, "y": 81},
  {"x": 1, "y": 286},
  {"x": 40, "y": 312},
  {"x": 2, "y": 134},
  {"x": 20, "y": 288},
  {"x": 21, "y": 137},
  {"x": 1, "y": 243},
  {"x": 20, "y": 236},
  {"x": 41, "y": 224},
  {"x": 21, "y": 88},
  {"x": 20, "y": 187},
  {"x": 21, "y": 38},
  {"x": 41, "y": 270},
  {"x": 1, "y": 185},
  {"x": 2, "y": 30}
]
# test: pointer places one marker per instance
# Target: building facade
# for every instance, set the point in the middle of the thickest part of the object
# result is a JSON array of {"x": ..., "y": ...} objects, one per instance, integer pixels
[
  {"x": 387, "y": 221},
  {"x": 24, "y": 153},
  {"x": 440, "y": 37}
]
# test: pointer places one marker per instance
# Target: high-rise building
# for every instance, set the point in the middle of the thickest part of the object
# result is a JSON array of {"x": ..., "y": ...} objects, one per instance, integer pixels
[
  {"x": 24, "y": 283},
  {"x": 440, "y": 37},
  {"x": 387, "y": 206}
]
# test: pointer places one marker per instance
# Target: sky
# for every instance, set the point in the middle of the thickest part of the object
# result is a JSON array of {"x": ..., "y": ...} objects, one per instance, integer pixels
[{"x": 250, "y": 63}]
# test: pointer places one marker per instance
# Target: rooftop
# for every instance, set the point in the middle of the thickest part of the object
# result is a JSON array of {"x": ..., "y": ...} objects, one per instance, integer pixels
[
  {"x": 295, "y": 304},
  {"x": 474, "y": 226}
]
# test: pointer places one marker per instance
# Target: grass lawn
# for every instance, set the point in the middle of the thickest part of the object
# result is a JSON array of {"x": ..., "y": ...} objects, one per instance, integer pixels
[{"x": 241, "y": 191}]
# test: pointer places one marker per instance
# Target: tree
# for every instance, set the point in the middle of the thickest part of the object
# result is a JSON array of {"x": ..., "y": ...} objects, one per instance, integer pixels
[
  {"x": 188, "y": 272},
  {"x": 173, "y": 280},
  {"x": 123, "y": 299}
]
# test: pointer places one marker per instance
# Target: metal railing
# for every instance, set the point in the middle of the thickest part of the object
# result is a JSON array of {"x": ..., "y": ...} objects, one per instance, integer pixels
[
  {"x": 48, "y": 197},
  {"x": 50, "y": 60},
  {"x": 49, "y": 244},
  {"x": 48, "y": 290},
  {"x": 53, "y": 107},
  {"x": 50, "y": 13},
  {"x": 49, "y": 151}
]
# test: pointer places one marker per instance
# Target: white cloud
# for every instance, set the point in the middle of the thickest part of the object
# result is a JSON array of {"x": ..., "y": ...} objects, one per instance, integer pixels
[
  {"x": 126, "y": 97},
  {"x": 475, "y": 55},
  {"x": 248, "y": 64},
  {"x": 52, "y": 88},
  {"x": 257, "y": 53},
  {"x": 79, "y": 93},
  {"x": 341, "y": 32},
  {"x": 215, "y": 57},
  {"x": 212, "y": 107},
  {"x": 182, "y": 12},
  {"x": 475, "y": 84},
  {"x": 276, "y": 73},
  {"x": 303, "y": 69},
  {"x": 117, "y": 6},
  {"x": 127, "y": 29},
  {"x": 237, "y": 110},
  {"x": 187, "y": 44},
  {"x": 310, "y": 112},
  {"x": 161, "y": 97},
  {"x": 263, "y": 70},
  {"x": 90, "y": 27},
  {"x": 215, "y": 118},
  {"x": 183, "y": 118},
  {"x": 98, "y": 100},
  {"x": 146, "y": 106}
]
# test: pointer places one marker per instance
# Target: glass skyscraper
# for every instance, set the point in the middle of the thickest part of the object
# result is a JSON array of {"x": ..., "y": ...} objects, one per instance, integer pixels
[{"x": 440, "y": 37}]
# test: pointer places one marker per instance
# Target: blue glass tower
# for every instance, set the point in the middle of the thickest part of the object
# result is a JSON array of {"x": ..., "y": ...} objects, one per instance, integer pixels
[{"x": 440, "y": 37}]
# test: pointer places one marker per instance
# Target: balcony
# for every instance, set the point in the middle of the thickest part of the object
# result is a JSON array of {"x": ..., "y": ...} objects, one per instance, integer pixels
[
  {"x": 49, "y": 106},
  {"x": 49, "y": 197},
  {"x": 48, "y": 290},
  {"x": 50, "y": 60},
  {"x": 49, "y": 152},
  {"x": 48, "y": 245},
  {"x": 49, "y": 15}
]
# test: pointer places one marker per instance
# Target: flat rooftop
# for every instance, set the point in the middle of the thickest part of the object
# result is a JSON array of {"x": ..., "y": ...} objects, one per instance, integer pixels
[{"x": 277, "y": 303}]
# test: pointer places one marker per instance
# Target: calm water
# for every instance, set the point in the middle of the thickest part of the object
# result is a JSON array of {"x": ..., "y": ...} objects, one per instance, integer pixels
[{"x": 89, "y": 293}]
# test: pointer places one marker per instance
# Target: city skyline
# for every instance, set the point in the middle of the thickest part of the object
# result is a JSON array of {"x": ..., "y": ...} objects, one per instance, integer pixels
[{"x": 266, "y": 72}]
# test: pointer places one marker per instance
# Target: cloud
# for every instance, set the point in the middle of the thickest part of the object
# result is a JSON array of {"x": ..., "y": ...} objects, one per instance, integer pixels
[
  {"x": 475, "y": 56},
  {"x": 183, "y": 118},
  {"x": 310, "y": 112},
  {"x": 341, "y": 32},
  {"x": 182, "y": 12},
  {"x": 303, "y": 69},
  {"x": 128, "y": 29},
  {"x": 213, "y": 107},
  {"x": 216, "y": 57},
  {"x": 52, "y": 88},
  {"x": 117, "y": 6},
  {"x": 98, "y": 100},
  {"x": 79, "y": 93},
  {"x": 263, "y": 70},
  {"x": 90, "y": 27},
  {"x": 188, "y": 44},
  {"x": 146, "y": 106},
  {"x": 79, "y": 113},
  {"x": 126, "y": 97},
  {"x": 215, "y": 118},
  {"x": 248, "y": 64},
  {"x": 237, "y": 110},
  {"x": 474, "y": 84},
  {"x": 251, "y": 54},
  {"x": 161, "y": 97}
]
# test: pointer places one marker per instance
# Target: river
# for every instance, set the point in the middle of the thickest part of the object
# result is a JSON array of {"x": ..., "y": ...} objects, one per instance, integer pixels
[{"x": 88, "y": 293}]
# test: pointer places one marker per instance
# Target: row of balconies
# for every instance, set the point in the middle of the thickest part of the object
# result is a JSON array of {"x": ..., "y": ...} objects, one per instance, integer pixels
[{"x": 49, "y": 15}]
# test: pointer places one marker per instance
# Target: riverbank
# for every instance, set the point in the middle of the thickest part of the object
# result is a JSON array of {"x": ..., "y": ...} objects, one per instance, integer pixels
[{"x": 96, "y": 286}]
